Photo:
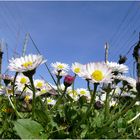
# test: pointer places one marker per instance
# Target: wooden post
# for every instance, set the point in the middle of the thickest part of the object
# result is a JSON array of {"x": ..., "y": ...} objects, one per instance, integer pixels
[
  {"x": 136, "y": 55},
  {"x": 138, "y": 69},
  {"x": 106, "y": 52}
]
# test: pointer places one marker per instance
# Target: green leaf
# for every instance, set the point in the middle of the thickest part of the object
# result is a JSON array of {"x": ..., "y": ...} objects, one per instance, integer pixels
[
  {"x": 28, "y": 129},
  {"x": 42, "y": 116}
]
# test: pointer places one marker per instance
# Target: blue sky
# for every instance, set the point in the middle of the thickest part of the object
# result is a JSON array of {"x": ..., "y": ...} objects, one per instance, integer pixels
[{"x": 70, "y": 31}]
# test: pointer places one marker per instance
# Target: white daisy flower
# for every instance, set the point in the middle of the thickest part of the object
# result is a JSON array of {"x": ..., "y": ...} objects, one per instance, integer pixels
[
  {"x": 7, "y": 79},
  {"x": 84, "y": 73},
  {"x": 125, "y": 94},
  {"x": 62, "y": 87},
  {"x": 45, "y": 90},
  {"x": 26, "y": 63},
  {"x": 77, "y": 68},
  {"x": 112, "y": 103},
  {"x": 60, "y": 66},
  {"x": 120, "y": 68},
  {"x": 73, "y": 94},
  {"x": 137, "y": 103},
  {"x": 99, "y": 73},
  {"x": 2, "y": 90},
  {"x": 129, "y": 80},
  {"x": 51, "y": 101},
  {"x": 83, "y": 92},
  {"x": 39, "y": 84},
  {"x": 21, "y": 81},
  {"x": 62, "y": 73},
  {"x": 9, "y": 91},
  {"x": 29, "y": 93}
]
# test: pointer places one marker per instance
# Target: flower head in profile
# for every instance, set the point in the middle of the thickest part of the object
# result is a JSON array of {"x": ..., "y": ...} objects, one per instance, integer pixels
[
  {"x": 117, "y": 68},
  {"x": 129, "y": 81},
  {"x": 27, "y": 63},
  {"x": 60, "y": 66},
  {"x": 76, "y": 68},
  {"x": 6, "y": 78},
  {"x": 98, "y": 73},
  {"x": 58, "y": 73}
]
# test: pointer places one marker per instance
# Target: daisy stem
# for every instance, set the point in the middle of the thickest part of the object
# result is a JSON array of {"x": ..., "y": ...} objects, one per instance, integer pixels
[
  {"x": 73, "y": 84},
  {"x": 58, "y": 80},
  {"x": 14, "y": 108},
  {"x": 60, "y": 98},
  {"x": 33, "y": 102},
  {"x": 113, "y": 92},
  {"x": 92, "y": 102},
  {"x": 119, "y": 96},
  {"x": 106, "y": 106},
  {"x": 14, "y": 87},
  {"x": 88, "y": 86}
]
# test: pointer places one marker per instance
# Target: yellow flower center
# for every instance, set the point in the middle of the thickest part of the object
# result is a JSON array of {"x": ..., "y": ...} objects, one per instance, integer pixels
[
  {"x": 43, "y": 91},
  {"x": 74, "y": 93},
  {"x": 10, "y": 91},
  {"x": 60, "y": 66},
  {"x": 39, "y": 85},
  {"x": 49, "y": 100},
  {"x": 97, "y": 75},
  {"x": 23, "y": 80},
  {"x": 77, "y": 70},
  {"x": 27, "y": 98},
  {"x": 82, "y": 92},
  {"x": 27, "y": 64}
]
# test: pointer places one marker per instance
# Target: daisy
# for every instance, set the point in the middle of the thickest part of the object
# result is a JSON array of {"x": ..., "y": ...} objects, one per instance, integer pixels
[
  {"x": 51, "y": 101},
  {"x": 62, "y": 73},
  {"x": 27, "y": 63},
  {"x": 83, "y": 92},
  {"x": 120, "y": 68},
  {"x": 2, "y": 90},
  {"x": 28, "y": 94},
  {"x": 131, "y": 82},
  {"x": 21, "y": 81},
  {"x": 84, "y": 73},
  {"x": 73, "y": 94},
  {"x": 98, "y": 73},
  {"x": 9, "y": 91},
  {"x": 60, "y": 66},
  {"x": 113, "y": 103},
  {"x": 76, "y": 68},
  {"x": 39, "y": 84},
  {"x": 6, "y": 78},
  {"x": 45, "y": 90}
]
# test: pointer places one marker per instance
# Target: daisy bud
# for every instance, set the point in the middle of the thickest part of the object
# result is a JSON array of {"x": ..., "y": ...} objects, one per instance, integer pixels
[
  {"x": 122, "y": 59},
  {"x": 68, "y": 80}
]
